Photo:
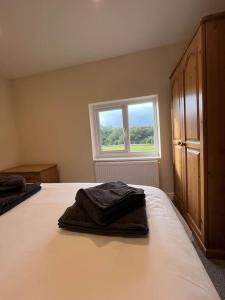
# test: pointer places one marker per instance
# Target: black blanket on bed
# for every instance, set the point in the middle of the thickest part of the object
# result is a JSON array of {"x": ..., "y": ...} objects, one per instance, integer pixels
[
  {"x": 133, "y": 224},
  {"x": 107, "y": 202},
  {"x": 10, "y": 199}
]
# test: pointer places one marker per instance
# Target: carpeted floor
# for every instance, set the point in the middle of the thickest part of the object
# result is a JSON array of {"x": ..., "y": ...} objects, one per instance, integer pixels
[{"x": 216, "y": 270}]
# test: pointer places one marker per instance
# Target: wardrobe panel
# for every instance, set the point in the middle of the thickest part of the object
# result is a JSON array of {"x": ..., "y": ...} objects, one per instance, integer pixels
[
  {"x": 193, "y": 186},
  {"x": 176, "y": 110},
  {"x": 178, "y": 175},
  {"x": 215, "y": 60},
  {"x": 191, "y": 98}
]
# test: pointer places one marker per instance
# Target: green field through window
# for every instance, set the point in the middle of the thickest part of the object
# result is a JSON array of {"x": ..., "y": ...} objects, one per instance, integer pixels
[{"x": 133, "y": 148}]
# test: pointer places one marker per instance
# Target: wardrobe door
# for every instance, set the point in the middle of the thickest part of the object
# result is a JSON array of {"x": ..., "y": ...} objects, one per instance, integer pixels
[
  {"x": 177, "y": 124},
  {"x": 192, "y": 138}
]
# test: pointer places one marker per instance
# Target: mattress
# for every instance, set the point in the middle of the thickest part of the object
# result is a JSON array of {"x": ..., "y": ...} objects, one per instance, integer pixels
[{"x": 41, "y": 262}]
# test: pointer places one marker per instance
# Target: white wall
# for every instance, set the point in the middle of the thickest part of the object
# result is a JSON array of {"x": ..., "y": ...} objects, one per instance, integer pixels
[{"x": 9, "y": 142}]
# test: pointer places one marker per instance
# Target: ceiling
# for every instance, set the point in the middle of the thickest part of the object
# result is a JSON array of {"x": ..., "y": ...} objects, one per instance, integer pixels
[{"x": 43, "y": 35}]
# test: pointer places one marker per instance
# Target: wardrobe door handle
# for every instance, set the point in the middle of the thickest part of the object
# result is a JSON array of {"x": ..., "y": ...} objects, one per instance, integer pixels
[
  {"x": 179, "y": 143},
  {"x": 183, "y": 144}
]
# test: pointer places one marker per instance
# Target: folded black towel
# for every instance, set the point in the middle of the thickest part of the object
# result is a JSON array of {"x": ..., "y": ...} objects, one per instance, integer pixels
[
  {"x": 12, "y": 183},
  {"x": 133, "y": 224},
  {"x": 108, "y": 202},
  {"x": 11, "y": 199}
]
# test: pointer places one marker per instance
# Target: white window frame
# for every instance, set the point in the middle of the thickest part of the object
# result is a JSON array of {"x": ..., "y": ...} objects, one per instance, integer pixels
[{"x": 95, "y": 108}]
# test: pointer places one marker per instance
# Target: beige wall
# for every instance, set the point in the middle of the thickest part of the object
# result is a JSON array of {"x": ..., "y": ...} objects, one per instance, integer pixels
[
  {"x": 9, "y": 146},
  {"x": 52, "y": 108}
]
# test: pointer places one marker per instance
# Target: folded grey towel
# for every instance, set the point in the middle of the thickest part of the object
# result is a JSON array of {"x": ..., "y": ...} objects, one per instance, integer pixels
[
  {"x": 133, "y": 224},
  {"x": 108, "y": 202},
  {"x": 12, "y": 183}
]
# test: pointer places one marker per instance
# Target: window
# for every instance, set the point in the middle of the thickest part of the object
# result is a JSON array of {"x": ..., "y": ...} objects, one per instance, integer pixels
[{"x": 125, "y": 128}]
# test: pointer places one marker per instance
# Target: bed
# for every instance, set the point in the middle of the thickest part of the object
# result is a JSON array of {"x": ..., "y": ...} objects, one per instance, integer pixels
[{"x": 41, "y": 262}]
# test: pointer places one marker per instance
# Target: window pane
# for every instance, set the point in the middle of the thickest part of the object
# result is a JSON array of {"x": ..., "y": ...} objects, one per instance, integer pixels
[
  {"x": 141, "y": 127},
  {"x": 111, "y": 130}
]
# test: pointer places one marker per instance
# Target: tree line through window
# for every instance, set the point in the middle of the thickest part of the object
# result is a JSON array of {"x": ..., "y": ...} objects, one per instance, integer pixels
[{"x": 141, "y": 138}]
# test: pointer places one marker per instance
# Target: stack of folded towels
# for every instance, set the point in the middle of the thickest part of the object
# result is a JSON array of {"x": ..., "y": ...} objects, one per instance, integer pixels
[
  {"x": 14, "y": 190},
  {"x": 112, "y": 208}
]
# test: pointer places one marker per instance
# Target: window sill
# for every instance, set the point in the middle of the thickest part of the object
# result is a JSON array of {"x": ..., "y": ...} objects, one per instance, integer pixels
[{"x": 111, "y": 159}]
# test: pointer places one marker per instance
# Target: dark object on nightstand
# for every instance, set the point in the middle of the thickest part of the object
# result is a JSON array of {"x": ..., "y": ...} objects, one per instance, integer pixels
[{"x": 35, "y": 173}]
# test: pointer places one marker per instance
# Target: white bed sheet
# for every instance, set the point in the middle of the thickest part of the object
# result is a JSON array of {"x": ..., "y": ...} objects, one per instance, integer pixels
[{"x": 41, "y": 262}]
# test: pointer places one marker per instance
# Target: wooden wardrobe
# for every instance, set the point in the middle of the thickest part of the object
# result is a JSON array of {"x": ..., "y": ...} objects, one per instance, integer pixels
[{"x": 198, "y": 122}]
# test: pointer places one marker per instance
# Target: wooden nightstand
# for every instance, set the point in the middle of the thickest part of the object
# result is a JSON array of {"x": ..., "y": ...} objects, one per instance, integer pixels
[{"x": 35, "y": 173}]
